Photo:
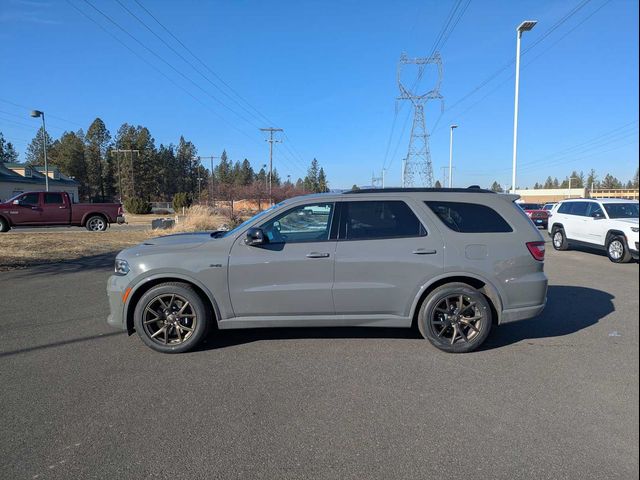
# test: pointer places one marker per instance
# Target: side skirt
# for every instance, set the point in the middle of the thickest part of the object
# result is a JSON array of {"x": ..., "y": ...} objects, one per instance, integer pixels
[{"x": 316, "y": 321}]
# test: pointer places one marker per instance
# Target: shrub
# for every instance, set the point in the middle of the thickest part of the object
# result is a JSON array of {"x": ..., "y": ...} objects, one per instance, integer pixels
[
  {"x": 137, "y": 205},
  {"x": 181, "y": 200}
]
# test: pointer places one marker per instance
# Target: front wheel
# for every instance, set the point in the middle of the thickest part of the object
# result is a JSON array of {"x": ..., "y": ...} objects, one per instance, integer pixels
[
  {"x": 96, "y": 223},
  {"x": 455, "y": 318},
  {"x": 171, "y": 318},
  {"x": 617, "y": 250}
]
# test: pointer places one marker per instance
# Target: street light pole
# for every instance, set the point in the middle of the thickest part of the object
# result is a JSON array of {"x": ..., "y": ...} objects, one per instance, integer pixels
[
  {"x": 571, "y": 178},
  {"x": 451, "y": 156},
  {"x": 36, "y": 114},
  {"x": 523, "y": 27}
]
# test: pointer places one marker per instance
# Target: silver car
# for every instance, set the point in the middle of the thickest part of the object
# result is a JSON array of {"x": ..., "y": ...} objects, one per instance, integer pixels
[{"x": 452, "y": 262}]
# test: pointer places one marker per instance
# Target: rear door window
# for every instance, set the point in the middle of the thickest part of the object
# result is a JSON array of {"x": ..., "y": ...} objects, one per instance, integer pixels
[
  {"x": 579, "y": 208},
  {"x": 371, "y": 220},
  {"x": 53, "y": 198},
  {"x": 469, "y": 217}
]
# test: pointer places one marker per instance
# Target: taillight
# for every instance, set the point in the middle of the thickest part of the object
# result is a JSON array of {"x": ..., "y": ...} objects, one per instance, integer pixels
[{"x": 537, "y": 250}]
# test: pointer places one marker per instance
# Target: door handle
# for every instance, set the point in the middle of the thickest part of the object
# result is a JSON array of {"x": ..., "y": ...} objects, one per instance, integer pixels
[
  {"x": 317, "y": 255},
  {"x": 62, "y": 207},
  {"x": 424, "y": 251}
]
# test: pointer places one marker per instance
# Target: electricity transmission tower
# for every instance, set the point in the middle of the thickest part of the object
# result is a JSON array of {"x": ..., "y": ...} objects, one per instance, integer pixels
[{"x": 417, "y": 163}]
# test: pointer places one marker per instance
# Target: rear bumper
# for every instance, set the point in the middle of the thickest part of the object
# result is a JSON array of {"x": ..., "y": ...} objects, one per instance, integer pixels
[
  {"x": 516, "y": 314},
  {"x": 120, "y": 219}
]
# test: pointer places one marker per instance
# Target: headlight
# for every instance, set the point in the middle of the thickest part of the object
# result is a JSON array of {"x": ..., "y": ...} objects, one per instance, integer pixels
[
  {"x": 122, "y": 267},
  {"x": 635, "y": 229}
]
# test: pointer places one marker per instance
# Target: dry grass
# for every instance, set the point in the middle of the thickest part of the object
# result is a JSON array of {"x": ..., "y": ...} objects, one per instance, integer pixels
[
  {"x": 20, "y": 249},
  {"x": 199, "y": 218}
]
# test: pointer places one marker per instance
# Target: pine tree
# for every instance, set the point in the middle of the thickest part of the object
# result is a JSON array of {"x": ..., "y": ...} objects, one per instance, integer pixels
[
  {"x": 323, "y": 185},
  {"x": 609, "y": 181},
  {"x": 35, "y": 150},
  {"x": 437, "y": 185},
  {"x": 548, "y": 183},
  {"x": 496, "y": 187},
  {"x": 592, "y": 179},
  {"x": 97, "y": 141},
  {"x": 71, "y": 160},
  {"x": 8, "y": 153},
  {"x": 311, "y": 180},
  {"x": 245, "y": 174}
]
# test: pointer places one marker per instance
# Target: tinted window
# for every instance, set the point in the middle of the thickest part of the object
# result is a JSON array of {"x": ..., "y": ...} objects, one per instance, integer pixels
[
  {"x": 622, "y": 210},
  {"x": 530, "y": 206},
  {"x": 306, "y": 223},
  {"x": 565, "y": 208},
  {"x": 579, "y": 208},
  {"x": 594, "y": 210},
  {"x": 53, "y": 197},
  {"x": 469, "y": 217},
  {"x": 379, "y": 219},
  {"x": 30, "y": 199}
]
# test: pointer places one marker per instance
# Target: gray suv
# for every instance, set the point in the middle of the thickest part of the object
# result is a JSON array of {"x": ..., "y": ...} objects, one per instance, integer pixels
[{"x": 453, "y": 262}]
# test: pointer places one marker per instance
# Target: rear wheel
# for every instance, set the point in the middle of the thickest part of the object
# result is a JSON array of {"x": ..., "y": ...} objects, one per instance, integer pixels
[
  {"x": 4, "y": 225},
  {"x": 617, "y": 250},
  {"x": 559, "y": 239},
  {"x": 96, "y": 223},
  {"x": 455, "y": 318},
  {"x": 171, "y": 318}
]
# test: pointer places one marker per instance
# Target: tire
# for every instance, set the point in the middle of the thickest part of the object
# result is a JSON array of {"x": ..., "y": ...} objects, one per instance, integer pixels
[
  {"x": 170, "y": 332},
  {"x": 4, "y": 225},
  {"x": 559, "y": 239},
  {"x": 96, "y": 223},
  {"x": 450, "y": 332},
  {"x": 617, "y": 249}
]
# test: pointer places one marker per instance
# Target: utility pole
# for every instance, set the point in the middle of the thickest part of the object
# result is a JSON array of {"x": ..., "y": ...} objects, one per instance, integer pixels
[
  {"x": 36, "y": 114},
  {"x": 271, "y": 141},
  {"x": 211, "y": 158},
  {"x": 133, "y": 185},
  {"x": 451, "y": 156}
]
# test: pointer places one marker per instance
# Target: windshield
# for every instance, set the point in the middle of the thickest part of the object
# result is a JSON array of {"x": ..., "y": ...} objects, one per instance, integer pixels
[
  {"x": 621, "y": 210},
  {"x": 247, "y": 222},
  {"x": 529, "y": 206}
]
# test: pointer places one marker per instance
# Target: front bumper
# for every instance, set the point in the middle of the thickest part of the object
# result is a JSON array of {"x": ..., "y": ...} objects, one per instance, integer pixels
[
  {"x": 634, "y": 253},
  {"x": 116, "y": 287}
]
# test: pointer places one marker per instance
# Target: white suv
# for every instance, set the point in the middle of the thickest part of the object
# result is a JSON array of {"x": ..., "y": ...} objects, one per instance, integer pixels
[{"x": 607, "y": 223}]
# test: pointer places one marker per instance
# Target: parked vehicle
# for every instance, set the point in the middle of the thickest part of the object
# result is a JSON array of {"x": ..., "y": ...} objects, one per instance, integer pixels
[
  {"x": 549, "y": 206},
  {"x": 538, "y": 215},
  {"x": 452, "y": 262},
  {"x": 609, "y": 224},
  {"x": 35, "y": 209}
]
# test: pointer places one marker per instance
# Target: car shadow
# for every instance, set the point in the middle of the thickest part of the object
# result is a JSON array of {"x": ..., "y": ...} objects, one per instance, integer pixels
[{"x": 569, "y": 310}]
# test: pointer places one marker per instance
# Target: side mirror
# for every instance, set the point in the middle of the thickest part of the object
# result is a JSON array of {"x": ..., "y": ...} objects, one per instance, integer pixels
[{"x": 255, "y": 237}]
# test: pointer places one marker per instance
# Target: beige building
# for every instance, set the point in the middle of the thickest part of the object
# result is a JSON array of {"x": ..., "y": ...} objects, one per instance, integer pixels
[
  {"x": 17, "y": 178},
  {"x": 547, "y": 195}
]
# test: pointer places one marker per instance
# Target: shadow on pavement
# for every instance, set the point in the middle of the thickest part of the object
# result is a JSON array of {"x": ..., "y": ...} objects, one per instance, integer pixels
[
  {"x": 569, "y": 309},
  {"x": 92, "y": 262},
  {"x": 59, "y": 344}
]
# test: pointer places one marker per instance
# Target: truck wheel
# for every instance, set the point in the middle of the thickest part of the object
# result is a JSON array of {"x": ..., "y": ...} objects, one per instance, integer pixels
[
  {"x": 171, "y": 318},
  {"x": 96, "y": 223},
  {"x": 4, "y": 225},
  {"x": 559, "y": 239},
  {"x": 617, "y": 250},
  {"x": 455, "y": 318}
]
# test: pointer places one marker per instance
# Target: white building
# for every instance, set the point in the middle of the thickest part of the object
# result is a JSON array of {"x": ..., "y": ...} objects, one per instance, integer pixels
[{"x": 17, "y": 178}]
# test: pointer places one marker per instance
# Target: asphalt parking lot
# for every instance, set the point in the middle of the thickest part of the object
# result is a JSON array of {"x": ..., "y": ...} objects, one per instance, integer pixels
[{"x": 553, "y": 397}]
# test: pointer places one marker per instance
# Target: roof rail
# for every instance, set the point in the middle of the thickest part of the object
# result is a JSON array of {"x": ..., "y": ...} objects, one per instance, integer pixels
[{"x": 471, "y": 189}]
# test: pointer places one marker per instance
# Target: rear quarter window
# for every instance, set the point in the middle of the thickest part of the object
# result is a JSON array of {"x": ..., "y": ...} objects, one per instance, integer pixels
[{"x": 469, "y": 217}]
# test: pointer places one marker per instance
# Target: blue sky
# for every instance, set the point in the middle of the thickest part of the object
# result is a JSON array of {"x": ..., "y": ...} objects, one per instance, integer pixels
[{"x": 326, "y": 72}]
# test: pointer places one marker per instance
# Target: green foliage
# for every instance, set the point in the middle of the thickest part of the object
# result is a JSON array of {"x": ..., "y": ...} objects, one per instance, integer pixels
[
  {"x": 35, "y": 150},
  {"x": 8, "y": 153},
  {"x": 180, "y": 200},
  {"x": 137, "y": 205},
  {"x": 355, "y": 187},
  {"x": 496, "y": 187}
]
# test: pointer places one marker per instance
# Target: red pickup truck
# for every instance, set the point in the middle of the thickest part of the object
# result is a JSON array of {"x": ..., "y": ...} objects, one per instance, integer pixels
[
  {"x": 36, "y": 209},
  {"x": 536, "y": 212}
]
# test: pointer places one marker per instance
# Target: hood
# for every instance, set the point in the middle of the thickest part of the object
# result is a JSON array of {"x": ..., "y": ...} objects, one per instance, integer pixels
[{"x": 168, "y": 243}]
